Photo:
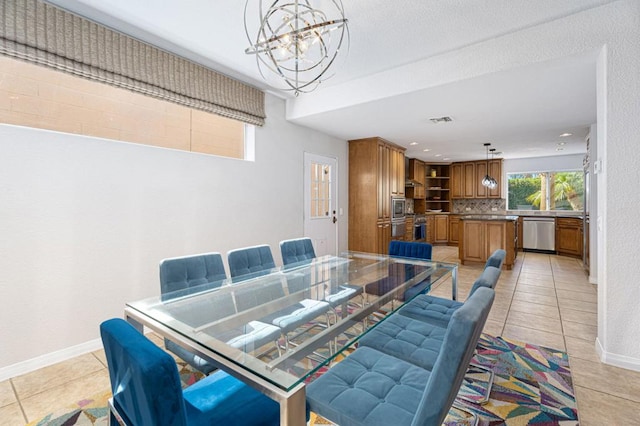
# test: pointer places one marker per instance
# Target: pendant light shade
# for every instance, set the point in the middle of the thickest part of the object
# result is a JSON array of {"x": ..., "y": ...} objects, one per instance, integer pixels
[{"x": 488, "y": 181}]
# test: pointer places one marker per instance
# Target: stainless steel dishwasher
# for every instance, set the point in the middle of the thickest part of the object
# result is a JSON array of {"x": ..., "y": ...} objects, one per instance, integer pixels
[{"x": 539, "y": 234}]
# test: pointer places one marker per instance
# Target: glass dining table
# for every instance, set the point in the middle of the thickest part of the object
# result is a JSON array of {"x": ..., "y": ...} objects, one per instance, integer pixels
[{"x": 244, "y": 326}]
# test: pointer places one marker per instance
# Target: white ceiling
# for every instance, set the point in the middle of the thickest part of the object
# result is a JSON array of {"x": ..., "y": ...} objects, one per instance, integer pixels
[{"x": 521, "y": 111}]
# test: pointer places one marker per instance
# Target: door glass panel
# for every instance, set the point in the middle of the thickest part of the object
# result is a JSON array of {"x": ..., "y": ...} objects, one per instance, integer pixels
[{"x": 320, "y": 190}]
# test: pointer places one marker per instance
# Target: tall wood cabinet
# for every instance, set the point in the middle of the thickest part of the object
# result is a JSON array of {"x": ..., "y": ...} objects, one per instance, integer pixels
[
  {"x": 466, "y": 179},
  {"x": 376, "y": 173}
]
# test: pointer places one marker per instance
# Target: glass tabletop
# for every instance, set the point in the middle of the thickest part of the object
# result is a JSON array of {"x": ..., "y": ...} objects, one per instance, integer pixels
[{"x": 286, "y": 324}]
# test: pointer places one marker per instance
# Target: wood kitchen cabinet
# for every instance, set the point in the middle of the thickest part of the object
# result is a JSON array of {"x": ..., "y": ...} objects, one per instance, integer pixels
[
  {"x": 383, "y": 237},
  {"x": 466, "y": 179},
  {"x": 454, "y": 232},
  {"x": 457, "y": 180},
  {"x": 437, "y": 228},
  {"x": 396, "y": 170},
  {"x": 376, "y": 173},
  {"x": 569, "y": 236},
  {"x": 478, "y": 239},
  {"x": 417, "y": 176}
]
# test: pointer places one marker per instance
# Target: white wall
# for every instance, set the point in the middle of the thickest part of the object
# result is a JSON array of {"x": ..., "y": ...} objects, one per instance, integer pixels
[
  {"x": 85, "y": 221},
  {"x": 543, "y": 164}
]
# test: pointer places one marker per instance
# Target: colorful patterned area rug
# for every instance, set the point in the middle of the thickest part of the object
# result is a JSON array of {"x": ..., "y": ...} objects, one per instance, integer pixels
[{"x": 532, "y": 386}]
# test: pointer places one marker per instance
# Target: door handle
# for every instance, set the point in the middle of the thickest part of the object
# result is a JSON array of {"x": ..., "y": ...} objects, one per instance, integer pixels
[{"x": 334, "y": 220}]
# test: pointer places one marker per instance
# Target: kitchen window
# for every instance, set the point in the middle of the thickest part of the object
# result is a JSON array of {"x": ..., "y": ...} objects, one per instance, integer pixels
[{"x": 547, "y": 191}]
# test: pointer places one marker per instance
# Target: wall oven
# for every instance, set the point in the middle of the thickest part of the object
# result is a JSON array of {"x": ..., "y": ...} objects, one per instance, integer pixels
[
  {"x": 397, "y": 208},
  {"x": 398, "y": 228}
]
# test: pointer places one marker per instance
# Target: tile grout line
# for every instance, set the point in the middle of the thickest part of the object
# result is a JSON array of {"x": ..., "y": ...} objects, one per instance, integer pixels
[{"x": 15, "y": 393}]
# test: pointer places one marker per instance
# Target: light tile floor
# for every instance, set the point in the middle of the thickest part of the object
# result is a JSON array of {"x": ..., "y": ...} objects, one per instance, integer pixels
[{"x": 545, "y": 300}]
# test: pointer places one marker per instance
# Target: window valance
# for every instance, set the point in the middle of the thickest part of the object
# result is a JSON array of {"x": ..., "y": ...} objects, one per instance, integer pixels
[{"x": 38, "y": 32}]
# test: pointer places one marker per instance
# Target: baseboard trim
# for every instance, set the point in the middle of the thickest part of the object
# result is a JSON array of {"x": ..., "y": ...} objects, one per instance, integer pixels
[
  {"x": 46, "y": 360},
  {"x": 616, "y": 360}
]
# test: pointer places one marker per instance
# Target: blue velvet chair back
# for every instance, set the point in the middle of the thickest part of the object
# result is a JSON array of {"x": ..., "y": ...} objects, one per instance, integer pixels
[
  {"x": 250, "y": 262},
  {"x": 457, "y": 349},
  {"x": 488, "y": 278},
  {"x": 496, "y": 259},
  {"x": 413, "y": 250},
  {"x": 144, "y": 379},
  {"x": 180, "y": 276},
  {"x": 297, "y": 251}
]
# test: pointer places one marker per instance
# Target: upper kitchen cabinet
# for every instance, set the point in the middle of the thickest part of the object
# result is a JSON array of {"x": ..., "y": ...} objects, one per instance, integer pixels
[
  {"x": 466, "y": 179},
  {"x": 376, "y": 173},
  {"x": 415, "y": 180},
  {"x": 396, "y": 169}
]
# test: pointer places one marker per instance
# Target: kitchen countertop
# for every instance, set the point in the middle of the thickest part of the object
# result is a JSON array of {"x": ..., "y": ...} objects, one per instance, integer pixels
[{"x": 493, "y": 217}]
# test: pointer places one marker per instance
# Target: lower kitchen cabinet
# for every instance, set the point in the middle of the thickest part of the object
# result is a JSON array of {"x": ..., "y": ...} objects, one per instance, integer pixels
[
  {"x": 569, "y": 236},
  {"x": 478, "y": 239},
  {"x": 438, "y": 228},
  {"x": 384, "y": 236},
  {"x": 454, "y": 223}
]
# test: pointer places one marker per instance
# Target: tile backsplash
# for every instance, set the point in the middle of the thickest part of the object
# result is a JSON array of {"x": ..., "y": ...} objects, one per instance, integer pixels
[{"x": 480, "y": 206}]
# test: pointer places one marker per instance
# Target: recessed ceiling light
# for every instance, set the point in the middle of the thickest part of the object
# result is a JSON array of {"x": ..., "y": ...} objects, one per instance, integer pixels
[
  {"x": 413, "y": 143},
  {"x": 437, "y": 155},
  {"x": 437, "y": 120},
  {"x": 564, "y": 135},
  {"x": 561, "y": 143},
  {"x": 446, "y": 158},
  {"x": 426, "y": 150},
  {"x": 559, "y": 149}
]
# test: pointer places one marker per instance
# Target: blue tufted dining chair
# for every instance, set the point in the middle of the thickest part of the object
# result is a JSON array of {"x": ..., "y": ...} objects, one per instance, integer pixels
[
  {"x": 299, "y": 251},
  {"x": 181, "y": 276},
  {"x": 146, "y": 387},
  {"x": 374, "y": 387},
  {"x": 250, "y": 262},
  {"x": 412, "y": 250}
]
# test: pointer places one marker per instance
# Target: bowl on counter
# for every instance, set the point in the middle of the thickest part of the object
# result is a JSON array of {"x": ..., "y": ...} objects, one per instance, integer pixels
[{"x": 434, "y": 210}]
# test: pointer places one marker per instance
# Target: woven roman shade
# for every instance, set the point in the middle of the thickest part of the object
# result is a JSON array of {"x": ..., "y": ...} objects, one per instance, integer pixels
[{"x": 38, "y": 32}]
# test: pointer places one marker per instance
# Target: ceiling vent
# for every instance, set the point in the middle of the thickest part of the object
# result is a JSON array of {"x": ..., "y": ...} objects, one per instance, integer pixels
[{"x": 440, "y": 120}]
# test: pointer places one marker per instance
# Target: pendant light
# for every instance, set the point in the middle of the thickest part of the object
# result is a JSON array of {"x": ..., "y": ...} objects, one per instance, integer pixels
[{"x": 486, "y": 181}]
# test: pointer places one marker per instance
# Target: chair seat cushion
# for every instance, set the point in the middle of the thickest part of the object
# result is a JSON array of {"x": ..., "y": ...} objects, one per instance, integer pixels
[
  {"x": 411, "y": 340},
  {"x": 221, "y": 399},
  {"x": 255, "y": 334},
  {"x": 369, "y": 388},
  {"x": 434, "y": 310},
  {"x": 298, "y": 314},
  {"x": 342, "y": 294}
]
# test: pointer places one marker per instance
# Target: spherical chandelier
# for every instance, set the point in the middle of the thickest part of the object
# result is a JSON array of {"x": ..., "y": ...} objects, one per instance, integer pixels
[{"x": 296, "y": 43}]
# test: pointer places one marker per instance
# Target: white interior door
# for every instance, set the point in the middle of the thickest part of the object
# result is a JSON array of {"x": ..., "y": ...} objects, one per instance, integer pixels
[{"x": 320, "y": 203}]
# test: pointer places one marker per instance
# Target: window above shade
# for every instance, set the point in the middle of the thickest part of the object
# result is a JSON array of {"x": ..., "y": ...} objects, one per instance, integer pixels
[{"x": 38, "y": 32}]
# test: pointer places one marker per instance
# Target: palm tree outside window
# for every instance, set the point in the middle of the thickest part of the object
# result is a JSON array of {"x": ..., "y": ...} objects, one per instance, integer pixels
[{"x": 559, "y": 190}]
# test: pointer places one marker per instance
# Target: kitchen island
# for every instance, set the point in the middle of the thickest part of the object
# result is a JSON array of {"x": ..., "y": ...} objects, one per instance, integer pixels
[{"x": 481, "y": 235}]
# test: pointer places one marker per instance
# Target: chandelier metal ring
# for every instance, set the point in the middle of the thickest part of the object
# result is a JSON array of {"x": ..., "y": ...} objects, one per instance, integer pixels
[{"x": 297, "y": 42}]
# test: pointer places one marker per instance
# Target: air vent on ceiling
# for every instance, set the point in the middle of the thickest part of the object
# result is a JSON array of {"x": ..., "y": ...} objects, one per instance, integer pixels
[{"x": 441, "y": 120}]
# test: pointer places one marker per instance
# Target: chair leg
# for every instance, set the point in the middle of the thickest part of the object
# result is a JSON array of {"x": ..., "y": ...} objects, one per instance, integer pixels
[
  {"x": 487, "y": 393},
  {"x": 464, "y": 410},
  {"x": 115, "y": 419}
]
